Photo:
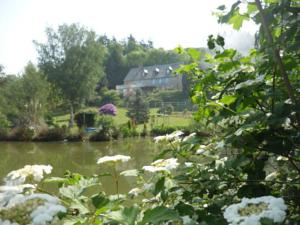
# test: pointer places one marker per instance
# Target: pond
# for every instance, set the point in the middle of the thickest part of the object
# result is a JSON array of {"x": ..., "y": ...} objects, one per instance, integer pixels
[{"x": 78, "y": 157}]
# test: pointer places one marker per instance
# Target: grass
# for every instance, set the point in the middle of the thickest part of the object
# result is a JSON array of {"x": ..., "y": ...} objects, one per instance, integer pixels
[{"x": 175, "y": 119}]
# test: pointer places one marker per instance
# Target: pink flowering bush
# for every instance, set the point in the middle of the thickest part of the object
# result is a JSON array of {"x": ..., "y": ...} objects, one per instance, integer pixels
[{"x": 108, "y": 109}]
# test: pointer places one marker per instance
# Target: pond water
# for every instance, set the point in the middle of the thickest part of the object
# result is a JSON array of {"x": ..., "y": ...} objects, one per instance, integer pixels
[{"x": 78, "y": 157}]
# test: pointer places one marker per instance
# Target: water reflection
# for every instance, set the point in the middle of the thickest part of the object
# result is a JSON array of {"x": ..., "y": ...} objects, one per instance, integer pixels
[{"x": 77, "y": 157}]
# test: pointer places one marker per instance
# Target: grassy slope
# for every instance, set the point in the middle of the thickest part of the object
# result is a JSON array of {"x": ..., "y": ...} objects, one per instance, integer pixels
[{"x": 176, "y": 119}]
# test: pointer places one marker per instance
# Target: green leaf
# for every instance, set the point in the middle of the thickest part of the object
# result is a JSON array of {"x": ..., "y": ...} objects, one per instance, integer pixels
[
  {"x": 195, "y": 54},
  {"x": 159, "y": 186},
  {"x": 99, "y": 201},
  {"x": 251, "y": 8},
  {"x": 126, "y": 216},
  {"x": 76, "y": 204},
  {"x": 220, "y": 41},
  {"x": 159, "y": 214},
  {"x": 228, "y": 53},
  {"x": 237, "y": 20},
  {"x": 221, "y": 7},
  {"x": 228, "y": 99}
]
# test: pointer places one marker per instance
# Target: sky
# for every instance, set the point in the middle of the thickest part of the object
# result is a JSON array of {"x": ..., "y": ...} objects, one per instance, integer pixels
[{"x": 167, "y": 23}]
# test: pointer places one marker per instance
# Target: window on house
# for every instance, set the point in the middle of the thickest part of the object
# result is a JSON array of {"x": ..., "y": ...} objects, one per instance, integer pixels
[
  {"x": 169, "y": 70},
  {"x": 145, "y": 72}
]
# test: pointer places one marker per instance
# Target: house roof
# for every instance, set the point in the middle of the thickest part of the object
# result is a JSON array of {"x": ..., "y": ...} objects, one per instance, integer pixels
[{"x": 151, "y": 72}]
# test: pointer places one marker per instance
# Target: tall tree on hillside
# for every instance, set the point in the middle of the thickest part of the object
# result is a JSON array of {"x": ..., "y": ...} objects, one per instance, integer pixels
[
  {"x": 115, "y": 65},
  {"x": 72, "y": 59}
]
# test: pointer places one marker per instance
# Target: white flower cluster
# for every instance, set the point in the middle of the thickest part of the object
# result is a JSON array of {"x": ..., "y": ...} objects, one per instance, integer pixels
[
  {"x": 162, "y": 165},
  {"x": 36, "y": 172},
  {"x": 7, "y": 222},
  {"x": 135, "y": 192},
  {"x": 113, "y": 159},
  {"x": 18, "y": 203},
  {"x": 38, "y": 208},
  {"x": 250, "y": 211},
  {"x": 189, "y": 137},
  {"x": 169, "y": 137}
]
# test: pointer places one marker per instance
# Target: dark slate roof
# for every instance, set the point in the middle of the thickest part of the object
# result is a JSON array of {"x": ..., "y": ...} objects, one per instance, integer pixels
[{"x": 150, "y": 72}]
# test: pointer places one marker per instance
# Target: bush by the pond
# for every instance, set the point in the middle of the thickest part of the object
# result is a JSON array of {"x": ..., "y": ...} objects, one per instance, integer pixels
[
  {"x": 106, "y": 129},
  {"x": 22, "y": 134},
  {"x": 128, "y": 131},
  {"x": 51, "y": 134},
  {"x": 4, "y": 127},
  {"x": 85, "y": 119}
]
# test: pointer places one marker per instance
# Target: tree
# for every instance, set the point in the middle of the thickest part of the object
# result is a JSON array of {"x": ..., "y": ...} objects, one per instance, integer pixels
[
  {"x": 1, "y": 69},
  {"x": 115, "y": 65},
  {"x": 138, "y": 110},
  {"x": 72, "y": 60},
  {"x": 24, "y": 99}
]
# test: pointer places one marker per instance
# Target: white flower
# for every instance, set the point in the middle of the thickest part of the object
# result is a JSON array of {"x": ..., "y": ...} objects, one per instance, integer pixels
[
  {"x": 162, "y": 165},
  {"x": 282, "y": 158},
  {"x": 250, "y": 211},
  {"x": 169, "y": 137},
  {"x": 7, "y": 222},
  {"x": 287, "y": 124},
  {"x": 269, "y": 114},
  {"x": 16, "y": 189},
  {"x": 186, "y": 220},
  {"x": 39, "y": 208},
  {"x": 113, "y": 159},
  {"x": 135, "y": 192},
  {"x": 160, "y": 139},
  {"x": 130, "y": 173},
  {"x": 272, "y": 176},
  {"x": 288, "y": 101},
  {"x": 17, "y": 177},
  {"x": 187, "y": 138},
  {"x": 201, "y": 149},
  {"x": 188, "y": 164},
  {"x": 148, "y": 186},
  {"x": 221, "y": 162}
]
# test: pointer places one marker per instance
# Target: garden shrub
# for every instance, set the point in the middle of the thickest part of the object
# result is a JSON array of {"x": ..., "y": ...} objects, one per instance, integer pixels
[
  {"x": 138, "y": 110},
  {"x": 85, "y": 119},
  {"x": 4, "y": 127},
  {"x": 106, "y": 129},
  {"x": 51, "y": 134},
  {"x": 166, "y": 109},
  {"x": 22, "y": 134},
  {"x": 128, "y": 131}
]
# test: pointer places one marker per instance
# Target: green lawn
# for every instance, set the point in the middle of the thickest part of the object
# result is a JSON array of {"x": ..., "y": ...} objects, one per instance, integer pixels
[{"x": 175, "y": 119}]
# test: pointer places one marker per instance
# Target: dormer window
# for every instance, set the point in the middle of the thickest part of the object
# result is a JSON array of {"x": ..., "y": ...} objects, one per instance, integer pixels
[
  {"x": 156, "y": 71},
  {"x": 145, "y": 72},
  {"x": 169, "y": 70}
]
